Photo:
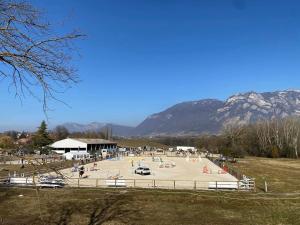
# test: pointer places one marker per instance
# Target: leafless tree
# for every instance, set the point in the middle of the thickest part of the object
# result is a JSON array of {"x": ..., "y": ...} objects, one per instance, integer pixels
[
  {"x": 276, "y": 129},
  {"x": 261, "y": 134},
  {"x": 291, "y": 129},
  {"x": 282, "y": 133},
  {"x": 32, "y": 54},
  {"x": 233, "y": 131},
  {"x": 264, "y": 133}
]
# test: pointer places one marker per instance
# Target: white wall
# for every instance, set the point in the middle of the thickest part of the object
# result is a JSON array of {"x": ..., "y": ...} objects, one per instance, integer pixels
[{"x": 185, "y": 148}]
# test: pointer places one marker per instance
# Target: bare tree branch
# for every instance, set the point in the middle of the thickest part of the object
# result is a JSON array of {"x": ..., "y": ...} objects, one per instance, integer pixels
[{"x": 31, "y": 54}]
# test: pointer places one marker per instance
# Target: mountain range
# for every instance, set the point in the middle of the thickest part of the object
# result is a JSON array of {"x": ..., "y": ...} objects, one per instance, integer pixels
[{"x": 208, "y": 115}]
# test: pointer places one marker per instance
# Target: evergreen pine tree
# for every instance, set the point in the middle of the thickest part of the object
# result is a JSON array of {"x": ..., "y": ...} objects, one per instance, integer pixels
[{"x": 41, "y": 138}]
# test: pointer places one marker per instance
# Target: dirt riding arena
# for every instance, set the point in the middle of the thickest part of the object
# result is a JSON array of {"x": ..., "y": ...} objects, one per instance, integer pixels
[{"x": 167, "y": 172}]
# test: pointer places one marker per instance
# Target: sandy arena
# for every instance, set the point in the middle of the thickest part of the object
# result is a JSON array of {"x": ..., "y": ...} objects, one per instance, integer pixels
[{"x": 187, "y": 173}]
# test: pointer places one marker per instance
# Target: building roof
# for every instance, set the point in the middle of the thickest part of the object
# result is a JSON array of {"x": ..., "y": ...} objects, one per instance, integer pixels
[
  {"x": 94, "y": 141},
  {"x": 68, "y": 143},
  {"x": 79, "y": 142}
]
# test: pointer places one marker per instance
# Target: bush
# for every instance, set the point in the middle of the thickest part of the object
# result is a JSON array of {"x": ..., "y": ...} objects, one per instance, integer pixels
[{"x": 275, "y": 152}]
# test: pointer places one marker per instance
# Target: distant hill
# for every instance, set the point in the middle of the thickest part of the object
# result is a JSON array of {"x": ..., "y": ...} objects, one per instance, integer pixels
[
  {"x": 117, "y": 130},
  {"x": 208, "y": 115},
  {"x": 182, "y": 119}
]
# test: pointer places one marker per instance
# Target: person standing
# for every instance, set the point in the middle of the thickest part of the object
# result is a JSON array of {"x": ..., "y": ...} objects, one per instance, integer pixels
[{"x": 81, "y": 171}]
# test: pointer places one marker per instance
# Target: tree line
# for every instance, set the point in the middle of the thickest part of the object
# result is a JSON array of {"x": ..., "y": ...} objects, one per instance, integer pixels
[{"x": 268, "y": 138}]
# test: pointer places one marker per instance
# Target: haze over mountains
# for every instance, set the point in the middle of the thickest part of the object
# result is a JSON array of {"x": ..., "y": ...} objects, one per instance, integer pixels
[
  {"x": 208, "y": 115},
  {"x": 118, "y": 130}
]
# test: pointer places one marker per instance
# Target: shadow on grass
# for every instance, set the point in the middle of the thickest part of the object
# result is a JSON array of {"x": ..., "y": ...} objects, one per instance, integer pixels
[
  {"x": 65, "y": 217},
  {"x": 109, "y": 212},
  {"x": 93, "y": 212}
]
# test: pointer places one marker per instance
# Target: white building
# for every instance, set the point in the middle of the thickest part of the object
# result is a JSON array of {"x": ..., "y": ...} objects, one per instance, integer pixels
[
  {"x": 186, "y": 148},
  {"x": 83, "y": 146}
]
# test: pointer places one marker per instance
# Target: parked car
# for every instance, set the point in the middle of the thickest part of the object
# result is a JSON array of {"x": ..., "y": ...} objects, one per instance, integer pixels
[
  {"x": 51, "y": 182},
  {"x": 142, "y": 171}
]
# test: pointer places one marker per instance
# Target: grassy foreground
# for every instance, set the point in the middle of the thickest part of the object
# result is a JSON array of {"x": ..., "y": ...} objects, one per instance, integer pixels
[
  {"x": 282, "y": 175},
  {"x": 108, "y": 206}
]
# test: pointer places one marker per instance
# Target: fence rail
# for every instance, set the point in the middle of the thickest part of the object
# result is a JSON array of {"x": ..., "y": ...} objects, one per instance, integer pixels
[
  {"x": 141, "y": 183},
  {"x": 161, "y": 184}
]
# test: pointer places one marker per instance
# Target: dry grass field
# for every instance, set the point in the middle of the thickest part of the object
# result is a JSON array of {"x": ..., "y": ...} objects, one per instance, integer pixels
[
  {"x": 282, "y": 175},
  {"x": 136, "y": 206}
]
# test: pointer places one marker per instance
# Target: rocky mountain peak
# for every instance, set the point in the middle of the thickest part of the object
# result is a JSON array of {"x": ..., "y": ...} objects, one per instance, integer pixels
[{"x": 211, "y": 115}]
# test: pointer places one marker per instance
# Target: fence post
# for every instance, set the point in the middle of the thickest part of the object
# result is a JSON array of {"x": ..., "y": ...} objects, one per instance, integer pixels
[
  {"x": 115, "y": 183},
  {"x": 238, "y": 185},
  {"x": 266, "y": 186},
  {"x": 195, "y": 185},
  {"x": 154, "y": 183},
  {"x": 174, "y": 184},
  {"x": 133, "y": 182},
  {"x": 216, "y": 185},
  {"x": 78, "y": 182},
  {"x": 97, "y": 182}
]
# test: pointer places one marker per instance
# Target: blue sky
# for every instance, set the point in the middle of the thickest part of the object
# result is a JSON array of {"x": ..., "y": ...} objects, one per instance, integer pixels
[{"x": 142, "y": 56}]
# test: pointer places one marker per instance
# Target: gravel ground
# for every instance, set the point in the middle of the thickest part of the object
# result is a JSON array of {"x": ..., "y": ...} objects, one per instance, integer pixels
[{"x": 185, "y": 172}]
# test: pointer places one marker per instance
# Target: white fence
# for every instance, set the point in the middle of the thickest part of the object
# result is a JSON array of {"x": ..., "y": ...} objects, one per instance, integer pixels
[
  {"x": 162, "y": 184},
  {"x": 248, "y": 185}
]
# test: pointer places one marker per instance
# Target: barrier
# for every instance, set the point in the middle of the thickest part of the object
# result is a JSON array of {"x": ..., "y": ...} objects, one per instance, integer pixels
[
  {"x": 223, "y": 185},
  {"x": 115, "y": 183},
  {"x": 247, "y": 185}
]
